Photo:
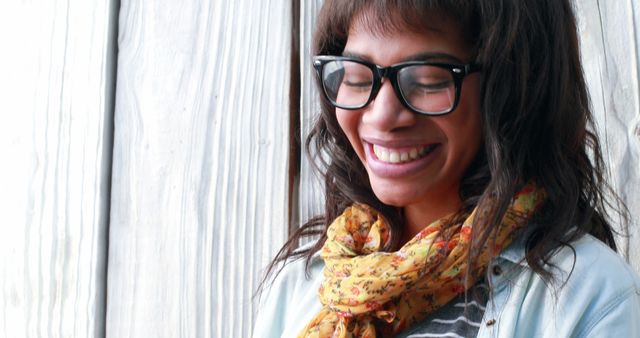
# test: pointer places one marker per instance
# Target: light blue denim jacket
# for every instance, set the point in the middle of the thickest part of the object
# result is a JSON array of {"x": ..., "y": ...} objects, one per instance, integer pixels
[{"x": 596, "y": 294}]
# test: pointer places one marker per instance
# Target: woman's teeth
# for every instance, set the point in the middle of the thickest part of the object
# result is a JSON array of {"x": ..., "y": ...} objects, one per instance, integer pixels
[{"x": 390, "y": 155}]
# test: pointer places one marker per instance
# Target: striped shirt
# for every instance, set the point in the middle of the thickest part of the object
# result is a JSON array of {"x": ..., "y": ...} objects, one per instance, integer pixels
[{"x": 457, "y": 319}]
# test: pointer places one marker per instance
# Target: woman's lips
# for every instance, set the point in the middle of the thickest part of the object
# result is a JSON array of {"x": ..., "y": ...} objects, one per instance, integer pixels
[{"x": 396, "y": 162}]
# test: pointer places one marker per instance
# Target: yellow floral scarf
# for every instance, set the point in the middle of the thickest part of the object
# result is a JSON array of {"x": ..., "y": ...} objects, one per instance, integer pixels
[{"x": 369, "y": 293}]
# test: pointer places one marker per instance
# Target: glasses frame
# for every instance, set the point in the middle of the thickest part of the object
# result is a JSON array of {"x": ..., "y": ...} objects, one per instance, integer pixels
[{"x": 458, "y": 72}]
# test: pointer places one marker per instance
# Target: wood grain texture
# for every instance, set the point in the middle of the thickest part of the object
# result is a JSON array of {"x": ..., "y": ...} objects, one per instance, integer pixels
[
  {"x": 56, "y": 99},
  {"x": 610, "y": 45},
  {"x": 311, "y": 187},
  {"x": 200, "y": 164},
  {"x": 610, "y": 37}
]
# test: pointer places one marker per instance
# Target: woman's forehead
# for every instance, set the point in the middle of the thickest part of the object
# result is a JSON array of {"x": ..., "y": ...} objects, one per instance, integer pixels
[{"x": 400, "y": 46}]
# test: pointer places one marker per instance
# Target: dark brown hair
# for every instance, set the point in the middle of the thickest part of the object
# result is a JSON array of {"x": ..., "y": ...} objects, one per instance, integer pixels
[{"x": 537, "y": 121}]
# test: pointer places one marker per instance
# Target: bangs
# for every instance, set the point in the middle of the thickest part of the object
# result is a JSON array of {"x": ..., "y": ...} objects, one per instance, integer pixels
[{"x": 384, "y": 17}]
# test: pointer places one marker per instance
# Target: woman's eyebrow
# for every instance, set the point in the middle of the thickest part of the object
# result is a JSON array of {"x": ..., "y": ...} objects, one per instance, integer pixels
[
  {"x": 429, "y": 56},
  {"x": 424, "y": 56},
  {"x": 356, "y": 55}
]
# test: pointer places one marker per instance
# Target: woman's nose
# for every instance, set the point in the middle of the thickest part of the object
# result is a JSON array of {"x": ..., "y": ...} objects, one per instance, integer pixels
[{"x": 386, "y": 112}]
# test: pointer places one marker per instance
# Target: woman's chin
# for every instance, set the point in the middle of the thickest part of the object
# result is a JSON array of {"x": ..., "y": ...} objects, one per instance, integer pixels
[{"x": 395, "y": 196}]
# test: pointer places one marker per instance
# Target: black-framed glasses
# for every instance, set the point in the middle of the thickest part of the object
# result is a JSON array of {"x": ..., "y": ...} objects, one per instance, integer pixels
[{"x": 428, "y": 88}]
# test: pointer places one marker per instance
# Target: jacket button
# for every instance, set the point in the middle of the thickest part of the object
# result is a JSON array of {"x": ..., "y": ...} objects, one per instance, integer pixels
[
  {"x": 491, "y": 322},
  {"x": 497, "y": 270}
]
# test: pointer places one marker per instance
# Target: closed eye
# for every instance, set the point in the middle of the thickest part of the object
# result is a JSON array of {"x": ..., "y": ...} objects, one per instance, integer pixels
[
  {"x": 361, "y": 84},
  {"x": 432, "y": 86}
]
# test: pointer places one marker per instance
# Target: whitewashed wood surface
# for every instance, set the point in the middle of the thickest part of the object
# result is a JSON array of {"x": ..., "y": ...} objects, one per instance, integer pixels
[
  {"x": 611, "y": 53},
  {"x": 311, "y": 186},
  {"x": 200, "y": 181},
  {"x": 56, "y": 103}
]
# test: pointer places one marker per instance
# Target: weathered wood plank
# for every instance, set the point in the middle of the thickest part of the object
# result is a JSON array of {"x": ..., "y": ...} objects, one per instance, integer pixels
[
  {"x": 311, "y": 188},
  {"x": 56, "y": 97},
  {"x": 610, "y": 45},
  {"x": 200, "y": 164}
]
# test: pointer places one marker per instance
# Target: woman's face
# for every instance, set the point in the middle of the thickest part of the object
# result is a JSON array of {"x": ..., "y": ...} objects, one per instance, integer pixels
[{"x": 385, "y": 130}]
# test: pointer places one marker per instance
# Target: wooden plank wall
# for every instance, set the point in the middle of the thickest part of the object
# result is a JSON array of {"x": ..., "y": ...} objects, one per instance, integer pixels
[
  {"x": 56, "y": 99},
  {"x": 200, "y": 177},
  {"x": 311, "y": 197},
  {"x": 610, "y": 38}
]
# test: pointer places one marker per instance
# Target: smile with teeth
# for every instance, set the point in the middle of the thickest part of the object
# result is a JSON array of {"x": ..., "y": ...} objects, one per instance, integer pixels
[{"x": 391, "y": 155}]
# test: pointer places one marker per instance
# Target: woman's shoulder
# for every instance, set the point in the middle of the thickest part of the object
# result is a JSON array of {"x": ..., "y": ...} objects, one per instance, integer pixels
[
  {"x": 289, "y": 300},
  {"x": 583, "y": 257},
  {"x": 593, "y": 293},
  {"x": 599, "y": 290},
  {"x": 589, "y": 261}
]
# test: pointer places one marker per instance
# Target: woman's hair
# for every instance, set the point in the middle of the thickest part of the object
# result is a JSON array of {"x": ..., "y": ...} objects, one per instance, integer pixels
[{"x": 537, "y": 121}]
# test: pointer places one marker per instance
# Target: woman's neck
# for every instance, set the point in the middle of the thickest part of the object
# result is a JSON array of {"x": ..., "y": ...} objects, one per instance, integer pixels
[{"x": 418, "y": 216}]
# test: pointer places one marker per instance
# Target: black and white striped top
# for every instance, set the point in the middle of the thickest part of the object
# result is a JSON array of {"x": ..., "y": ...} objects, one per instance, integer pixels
[{"x": 457, "y": 319}]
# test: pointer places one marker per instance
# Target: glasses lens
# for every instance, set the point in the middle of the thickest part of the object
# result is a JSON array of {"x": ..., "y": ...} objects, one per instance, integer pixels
[
  {"x": 428, "y": 89},
  {"x": 347, "y": 84}
]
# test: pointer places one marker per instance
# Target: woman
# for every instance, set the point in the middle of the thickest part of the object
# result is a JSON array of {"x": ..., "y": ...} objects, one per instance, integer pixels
[{"x": 461, "y": 197}]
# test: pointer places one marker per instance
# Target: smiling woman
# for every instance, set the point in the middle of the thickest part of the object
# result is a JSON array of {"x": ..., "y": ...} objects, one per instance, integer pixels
[
  {"x": 385, "y": 131},
  {"x": 460, "y": 196}
]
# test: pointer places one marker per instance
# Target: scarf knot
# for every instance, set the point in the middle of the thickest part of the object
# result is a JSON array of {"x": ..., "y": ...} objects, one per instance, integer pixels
[{"x": 369, "y": 293}]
